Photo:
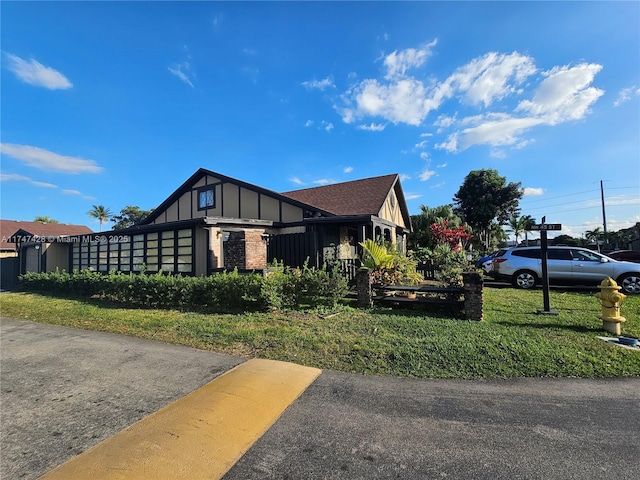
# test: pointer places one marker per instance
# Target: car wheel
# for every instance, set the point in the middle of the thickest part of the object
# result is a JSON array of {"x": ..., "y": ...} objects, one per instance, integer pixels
[
  {"x": 630, "y": 283},
  {"x": 524, "y": 279}
]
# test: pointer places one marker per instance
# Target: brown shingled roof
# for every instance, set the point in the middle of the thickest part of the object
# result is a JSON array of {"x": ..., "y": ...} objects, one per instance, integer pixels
[
  {"x": 10, "y": 227},
  {"x": 358, "y": 197}
]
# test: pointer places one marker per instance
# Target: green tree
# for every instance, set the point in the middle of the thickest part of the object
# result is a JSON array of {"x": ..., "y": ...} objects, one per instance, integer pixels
[
  {"x": 45, "y": 219},
  {"x": 594, "y": 235},
  {"x": 101, "y": 213},
  {"x": 566, "y": 240},
  {"x": 485, "y": 197},
  {"x": 129, "y": 216},
  {"x": 528, "y": 221},
  {"x": 518, "y": 225},
  {"x": 422, "y": 235}
]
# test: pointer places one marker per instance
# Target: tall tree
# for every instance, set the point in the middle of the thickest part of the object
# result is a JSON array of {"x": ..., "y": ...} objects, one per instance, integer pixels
[
  {"x": 484, "y": 197},
  {"x": 45, "y": 219},
  {"x": 129, "y": 216},
  {"x": 518, "y": 225},
  {"x": 528, "y": 221},
  {"x": 101, "y": 213}
]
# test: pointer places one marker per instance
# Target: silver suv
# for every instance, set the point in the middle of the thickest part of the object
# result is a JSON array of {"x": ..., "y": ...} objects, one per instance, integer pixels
[{"x": 522, "y": 266}]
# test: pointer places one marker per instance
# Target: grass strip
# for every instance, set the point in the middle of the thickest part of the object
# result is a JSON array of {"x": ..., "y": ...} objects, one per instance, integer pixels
[{"x": 513, "y": 341}]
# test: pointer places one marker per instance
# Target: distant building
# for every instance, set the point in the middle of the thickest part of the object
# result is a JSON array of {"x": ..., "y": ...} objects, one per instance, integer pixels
[{"x": 34, "y": 247}]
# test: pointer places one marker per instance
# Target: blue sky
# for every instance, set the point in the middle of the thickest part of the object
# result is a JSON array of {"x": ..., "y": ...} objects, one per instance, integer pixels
[{"x": 117, "y": 103}]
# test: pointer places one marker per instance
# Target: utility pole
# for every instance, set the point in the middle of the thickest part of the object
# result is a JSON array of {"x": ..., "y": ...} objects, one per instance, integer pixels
[{"x": 604, "y": 216}]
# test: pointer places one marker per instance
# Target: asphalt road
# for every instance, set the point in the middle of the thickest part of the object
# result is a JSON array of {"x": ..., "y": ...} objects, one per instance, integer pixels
[{"x": 64, "y": 390}]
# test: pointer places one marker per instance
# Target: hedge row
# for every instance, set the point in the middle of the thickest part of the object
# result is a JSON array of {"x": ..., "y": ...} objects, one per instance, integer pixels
[{"x": 279, "y": 288}]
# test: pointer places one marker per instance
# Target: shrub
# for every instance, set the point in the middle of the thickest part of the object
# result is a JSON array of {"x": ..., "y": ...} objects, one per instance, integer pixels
[{"x": 280, "y": 288}]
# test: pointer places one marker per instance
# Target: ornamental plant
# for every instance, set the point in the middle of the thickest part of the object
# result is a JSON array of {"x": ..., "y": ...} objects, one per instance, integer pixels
[{"x": 456, "y": 238}]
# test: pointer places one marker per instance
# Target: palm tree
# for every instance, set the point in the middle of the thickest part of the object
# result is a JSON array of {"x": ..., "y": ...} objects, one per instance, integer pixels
[
  {"x": 594, "y": 236},
  {"x": 528, "y": 221},
  {"x": 517, "y": 225},
  {"x": 45, "y": 219},
  {"x": 101, "y": 213}
]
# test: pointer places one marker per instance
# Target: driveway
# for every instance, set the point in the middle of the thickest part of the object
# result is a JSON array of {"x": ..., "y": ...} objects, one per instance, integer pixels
[{"x": 64, "y": 390}]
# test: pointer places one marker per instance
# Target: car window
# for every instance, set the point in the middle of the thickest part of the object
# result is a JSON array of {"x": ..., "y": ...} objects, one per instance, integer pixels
[
  {"x": 559, "y": 254},
  {"x": 534, "y": 253},
  {"x": 585, "y": 256}
]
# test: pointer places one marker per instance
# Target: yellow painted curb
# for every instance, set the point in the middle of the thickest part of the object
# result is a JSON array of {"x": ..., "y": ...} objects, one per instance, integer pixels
[{"x": 200, "y": 436}]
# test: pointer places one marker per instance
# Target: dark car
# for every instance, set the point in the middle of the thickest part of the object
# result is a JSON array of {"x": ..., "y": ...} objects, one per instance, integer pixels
[{"x": 625, "y": 255}]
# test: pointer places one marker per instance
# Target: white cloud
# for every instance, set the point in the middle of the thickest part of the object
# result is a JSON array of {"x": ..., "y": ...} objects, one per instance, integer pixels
[
  {"x": 347, "y": 169},
  {"x": 420, "y": 145},
  {"x": 71, "y": 192},
  {"x": 624, "y": 200},
  {"x": 296, "y": 180},
  {"x": 444, "y": 121},
  {"x": 560, "y": 94},
  {"x": 532, "y": 191},
  {"x": 308, "y": 123},
  {"x": 442, "y": 165},
  {"x": 412, "y": 196},
  {"x": 426, "y": 175},
  {"x": 404, "y": 177},
  {"x": 625, "y": 95},
  {"x": 323, "y": 181},
  {"x": 34, "y": 73},
  {"x": 46, "y": 160},
  {"x": 397, "y": 63},
  {"x": 372, "y": 127},
  {"x": 319, "y": 84},
  {"x": 424, "y": 155},
  {"x": 426, "y": 134},
  {"x": 564, "y": 94},
  {"x": 14, "y": 177},
  {"x": 404, "y": 101},
  {"x": 183, "y": 72},
  {"x": 492, "y": 77},
  {"x": 328, "y": 126},
  {"x": 494, "y": 130}
]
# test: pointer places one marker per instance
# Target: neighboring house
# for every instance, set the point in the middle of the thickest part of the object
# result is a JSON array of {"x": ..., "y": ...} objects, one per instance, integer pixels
[
  {"x": 214, "y": 222},
  {"x": 39, "y": 247},
  {"x": 634, "y": 236}
]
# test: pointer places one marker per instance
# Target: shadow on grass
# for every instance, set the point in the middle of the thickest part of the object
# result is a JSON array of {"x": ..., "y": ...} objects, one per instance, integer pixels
[{"x": 107, "y": 303}]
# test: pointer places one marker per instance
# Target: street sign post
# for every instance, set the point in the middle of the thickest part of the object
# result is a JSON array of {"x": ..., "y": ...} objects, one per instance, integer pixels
[{"x": 543, "y": 228}]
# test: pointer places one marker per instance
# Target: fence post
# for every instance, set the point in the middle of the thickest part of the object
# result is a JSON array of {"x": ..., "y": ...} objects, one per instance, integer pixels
[
  {"x": 363, "y": 287},
  {"x": 473, "y": 301}
]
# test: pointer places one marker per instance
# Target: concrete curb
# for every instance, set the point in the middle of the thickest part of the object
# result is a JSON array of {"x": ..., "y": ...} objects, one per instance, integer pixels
[{"x": 201, "y": 435}]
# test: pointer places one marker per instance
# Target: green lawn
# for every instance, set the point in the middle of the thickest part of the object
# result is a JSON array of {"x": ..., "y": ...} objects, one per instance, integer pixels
[{"x": 513, "y": 341}]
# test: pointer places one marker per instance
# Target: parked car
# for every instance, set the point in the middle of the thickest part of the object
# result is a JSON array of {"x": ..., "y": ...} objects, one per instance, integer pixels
[
  {"x": 522, "y": 266},
  {"x": 486, "y": 262},
  {"x": 625, "y": 255}
]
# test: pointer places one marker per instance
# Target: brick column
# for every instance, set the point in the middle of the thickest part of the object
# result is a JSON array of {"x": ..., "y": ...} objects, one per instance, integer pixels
[
  {"x": 363, "y": 287},
  {"x": 255, "y": 250},
  {"x": 473, "y": 301}
]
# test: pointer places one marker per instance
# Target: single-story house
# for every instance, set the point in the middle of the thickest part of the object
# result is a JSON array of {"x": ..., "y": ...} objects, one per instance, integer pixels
[
  {"x": 36, "y": 247},
  {"x": 213, "y": 222}
]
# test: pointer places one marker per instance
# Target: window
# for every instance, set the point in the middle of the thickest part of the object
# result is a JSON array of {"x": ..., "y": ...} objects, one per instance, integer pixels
[
  {"x": 206, "y": 198},
  {"x": 559, "y": 254},
  {"x": 584, "y": 256}
]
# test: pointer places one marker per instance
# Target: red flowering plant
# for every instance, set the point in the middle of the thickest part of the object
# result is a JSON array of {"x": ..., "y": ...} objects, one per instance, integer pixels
[
  {"x": 456, "y": 237},
  {"x": 449, "y": 256}
]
